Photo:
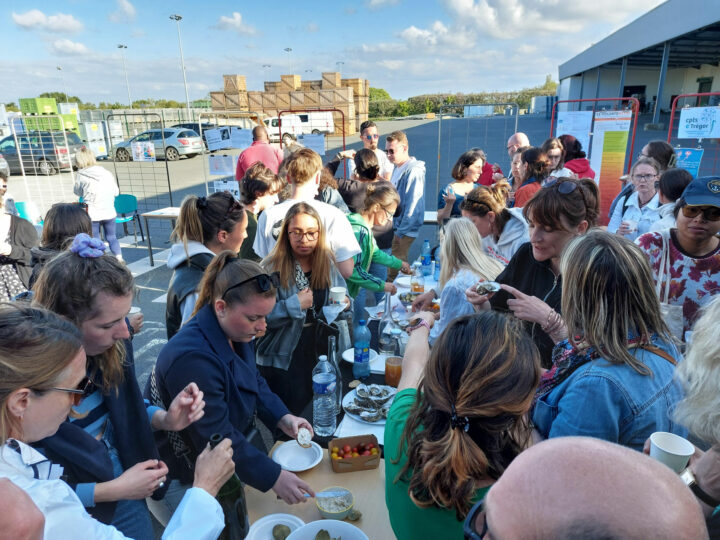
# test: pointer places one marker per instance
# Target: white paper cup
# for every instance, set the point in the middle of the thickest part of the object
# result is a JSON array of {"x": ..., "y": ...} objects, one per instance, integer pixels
[
  {"x": 632, "y": 225},
  {"x": 670, "y": 449},
  {"x": 337, "y": 295}
]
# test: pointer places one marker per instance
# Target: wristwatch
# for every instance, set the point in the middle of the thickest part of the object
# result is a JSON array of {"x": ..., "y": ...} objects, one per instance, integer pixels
[
  {"x": 421, "y": 322},
  {"x": 690, "y": 481}
]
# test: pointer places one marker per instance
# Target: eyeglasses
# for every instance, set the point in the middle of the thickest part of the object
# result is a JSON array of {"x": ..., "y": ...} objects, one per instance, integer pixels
[
  {"x": 300, "y": 235},
  {"x": 644, "y": 177},
  {"x": 709, "y": 213},
  {"x": 83, "y": 390},
  {"x": 371, "y": 137},
  {"x": 469, "y": 530},
  {"x": 265, "y": 282},
  {"x": 388, "y": 215}
]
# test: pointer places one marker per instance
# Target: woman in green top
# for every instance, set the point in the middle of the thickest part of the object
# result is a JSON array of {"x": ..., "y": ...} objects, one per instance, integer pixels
[
  {"x": 457, "y": 421},
  {"x": 381, "y": 202}
]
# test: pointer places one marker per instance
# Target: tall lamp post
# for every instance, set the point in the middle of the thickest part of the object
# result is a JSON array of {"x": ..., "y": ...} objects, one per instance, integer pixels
[
  {"x": 289, "y": 50},
  {"x": 177, "y": 19},
  {"x": 127, "y": 82},
  {"x": 62, "y": 79}
]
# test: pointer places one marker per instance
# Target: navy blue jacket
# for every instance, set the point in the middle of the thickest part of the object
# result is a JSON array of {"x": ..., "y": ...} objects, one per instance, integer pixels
[
  {"x": 234, "y": 390},
  {"x": 86, "y": 460}
]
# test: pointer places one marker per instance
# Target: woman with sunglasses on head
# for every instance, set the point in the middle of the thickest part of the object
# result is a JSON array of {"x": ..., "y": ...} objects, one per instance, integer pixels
[
  {"x": 216, "y": 348},
  {"x": 531, "y": 283},
  {"x": 107, "y": 447},
  {"x": 378, "y": 209},
  {"x": 205, "y": 227},
  {"x": 288, "y": 351},
  {"x": 42, "y": 380},
  {"x": 685, "y": 260},
  {"x": 458, "y": 420},
  {"x": 465, "y": 172},
  {"x": 635, "y": 214}
]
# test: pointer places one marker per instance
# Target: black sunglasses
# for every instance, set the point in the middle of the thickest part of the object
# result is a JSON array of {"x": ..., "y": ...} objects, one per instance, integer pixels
[
  {"x": 264, "y": 283},
  {"x": 709, "y": 213},
  {"x": 83, "y": 390},
  {"x": 469, "y": 530}
]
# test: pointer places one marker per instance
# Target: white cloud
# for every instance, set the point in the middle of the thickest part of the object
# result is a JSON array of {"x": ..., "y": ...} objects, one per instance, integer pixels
[
  {"x": 236, "y": 24},
  {"x": 392, "y": 65},
  {"x": 311, "y": 27},
  {"x": 67, "y": 47},
  {"x": 381, "y": 3},
  {"x": 37, "y": 20},
  {"x": 125, "y": 12}
]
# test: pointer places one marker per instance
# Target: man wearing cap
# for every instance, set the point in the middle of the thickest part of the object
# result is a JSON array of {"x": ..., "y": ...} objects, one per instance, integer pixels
[{"x": 691, "y": 276}]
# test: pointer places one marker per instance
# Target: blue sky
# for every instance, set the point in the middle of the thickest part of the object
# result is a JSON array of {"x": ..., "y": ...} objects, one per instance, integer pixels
[{"x": 407, "y": 47}]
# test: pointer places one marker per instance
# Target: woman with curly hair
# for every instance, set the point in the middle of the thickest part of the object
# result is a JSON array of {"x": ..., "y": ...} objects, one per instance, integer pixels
[{"x": 457, "y": 421}]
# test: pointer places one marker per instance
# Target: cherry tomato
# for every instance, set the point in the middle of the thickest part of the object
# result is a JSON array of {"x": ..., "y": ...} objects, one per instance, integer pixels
[
  {"x": 335, "y": 456},
  {"x": 335, "y": 450},
  {"x": 369, "y": 446},
  {"x": 347, "y": 455},
  {"x": 374, "y": 451},
  {"x": 355, "y": 454},
  {"x": 355, "y": 449},
  {"x": 346, "y": 448},
  {"x": 366, "y": 453}
]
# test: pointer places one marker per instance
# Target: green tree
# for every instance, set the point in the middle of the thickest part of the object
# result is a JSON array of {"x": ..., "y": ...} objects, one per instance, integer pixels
[
  {"x": 378, "y": 94},
  {"x": 402, "y": 109},
  {"x": 12, "y": 106}
]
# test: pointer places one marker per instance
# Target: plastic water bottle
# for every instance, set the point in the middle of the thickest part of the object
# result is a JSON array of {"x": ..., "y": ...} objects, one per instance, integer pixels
[
  {"x": 324, "y": 384},
  {"x": 436, "y": 276},
  {"x": 332, "y": 358},
  {"x": 426, "y": 258},
  {"x": 361, "y": 361}
]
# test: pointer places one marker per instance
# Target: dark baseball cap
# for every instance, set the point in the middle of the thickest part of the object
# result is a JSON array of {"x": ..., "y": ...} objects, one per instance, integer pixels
[{"x": 703, "y": 191}]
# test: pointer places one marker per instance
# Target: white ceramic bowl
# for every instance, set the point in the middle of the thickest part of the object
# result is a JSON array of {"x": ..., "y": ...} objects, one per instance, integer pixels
[{"x": 335, "y": 528}]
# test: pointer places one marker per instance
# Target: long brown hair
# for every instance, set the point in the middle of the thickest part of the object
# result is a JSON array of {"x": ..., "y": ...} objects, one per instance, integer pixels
[
  {"x": 201, "y": 218},
  {"x": 62, "y": 222},
  {"x": 552, "y": 203},
  {"x": 281, "y": 258},
  {"x": 487, "y": 368},
  {"x": 484, "y": 199},
  {"x": 69, "y": 285},
  {"x": 35, "y": 348}
]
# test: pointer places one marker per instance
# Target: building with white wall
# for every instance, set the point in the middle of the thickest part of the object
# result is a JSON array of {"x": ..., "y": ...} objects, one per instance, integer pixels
[{"x": 673, "y": 49}]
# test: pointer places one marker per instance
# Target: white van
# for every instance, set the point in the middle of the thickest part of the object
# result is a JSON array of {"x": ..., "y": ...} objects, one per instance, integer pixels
[
  {"x": 317, "y": 122},
  {"x": 291, "y": 125}
]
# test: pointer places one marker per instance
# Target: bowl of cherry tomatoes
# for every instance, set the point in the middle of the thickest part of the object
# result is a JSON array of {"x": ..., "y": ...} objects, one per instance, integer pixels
[{"x": 357, "y": 453}]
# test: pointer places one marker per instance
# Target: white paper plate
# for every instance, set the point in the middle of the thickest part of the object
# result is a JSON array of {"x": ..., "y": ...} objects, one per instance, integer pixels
[
  {"x": 262, "y": 528},
  {"x": 294, "y": 458},
  {"x": 377, "y": 361},
  {"x": 349, "y": 398},
  {"x": 403, "y": 281}
]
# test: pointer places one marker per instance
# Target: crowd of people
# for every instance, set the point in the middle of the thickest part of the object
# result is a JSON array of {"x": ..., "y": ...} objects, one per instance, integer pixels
[{"x": 598, "y": 337}]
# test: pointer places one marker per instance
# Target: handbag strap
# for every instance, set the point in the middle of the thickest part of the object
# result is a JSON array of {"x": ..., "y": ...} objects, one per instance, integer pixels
[{"x": 657, "y": 350}]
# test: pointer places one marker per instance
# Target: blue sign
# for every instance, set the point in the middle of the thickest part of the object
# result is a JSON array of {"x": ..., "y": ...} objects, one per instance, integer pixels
[{"x": 689, "y": 159}]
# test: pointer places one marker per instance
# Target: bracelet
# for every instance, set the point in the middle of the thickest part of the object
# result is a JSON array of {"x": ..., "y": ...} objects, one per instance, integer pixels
[{"x": 422, "y": 323}]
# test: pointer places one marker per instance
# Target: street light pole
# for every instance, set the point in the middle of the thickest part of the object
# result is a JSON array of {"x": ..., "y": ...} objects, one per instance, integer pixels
[
  {"x": 127, "y": 82},
  {"x": 177, "y": 19},
  {"x": 289, "y": 50},
  {"x": 62, "y": 79}
]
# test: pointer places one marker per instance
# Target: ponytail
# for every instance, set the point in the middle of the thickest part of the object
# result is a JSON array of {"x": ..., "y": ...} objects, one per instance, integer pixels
[{"x": 201, "y": 218}]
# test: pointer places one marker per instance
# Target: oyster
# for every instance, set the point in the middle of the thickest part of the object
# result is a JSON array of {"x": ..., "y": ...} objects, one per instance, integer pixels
[
  {"x": 371, "y": 416},
  {"x": 371, "y": 402},
  {"x": 280, "y": 532},
  {"x": 487, "y": 287},
  {"x": 354, "y": 408}
]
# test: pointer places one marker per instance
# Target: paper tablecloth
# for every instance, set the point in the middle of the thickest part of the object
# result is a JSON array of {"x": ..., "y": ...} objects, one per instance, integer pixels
[{"x": 349, "y": 427}]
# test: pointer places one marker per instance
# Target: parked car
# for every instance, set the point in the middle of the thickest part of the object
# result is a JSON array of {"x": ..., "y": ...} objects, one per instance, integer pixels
[
  {"x": 178, "y": 142},
  {"x": 195, "y": 126},
  {"x": 43, "y": 152}
]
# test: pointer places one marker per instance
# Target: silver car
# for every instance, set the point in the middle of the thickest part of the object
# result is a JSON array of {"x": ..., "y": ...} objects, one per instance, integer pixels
[{"x": 177, "y": 142}]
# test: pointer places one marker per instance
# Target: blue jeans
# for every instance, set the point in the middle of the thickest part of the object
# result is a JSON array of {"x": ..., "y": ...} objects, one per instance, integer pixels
[
  {"x": 131, "y": 517},
  {"x": 108, "y": 226},
  {"x": 380, "y": 271}
]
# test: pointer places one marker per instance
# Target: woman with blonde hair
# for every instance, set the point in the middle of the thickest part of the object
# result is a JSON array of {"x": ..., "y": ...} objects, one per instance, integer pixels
[
  {"x": 107, "y": 450},
  {"x": 98, "y": 188},
  {"x": 613, "y": 377},
  {"x": 43, "y": 378},
  {"x": 457, "y": 421},
  {"x": 463, "y": 264},
  {"x": 288, "y": 351}
]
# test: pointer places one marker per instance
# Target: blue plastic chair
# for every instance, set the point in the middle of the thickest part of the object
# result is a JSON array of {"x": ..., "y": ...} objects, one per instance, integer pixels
[{"x": 127, "y": 208}]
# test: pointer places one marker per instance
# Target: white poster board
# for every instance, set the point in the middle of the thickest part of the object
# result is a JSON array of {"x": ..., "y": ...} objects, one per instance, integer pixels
[
  {"x": 143, "y": 151},
  {"x": 221, "y": 165},
  {"x": 226, "y": 185},
  {"x": 314, "y": 142},
  {"x": 575, "y": 123},
  {"x": 240, "y": 138},
  {"x": 217, "y": 139},
  {"x": 699, "y": 123}
]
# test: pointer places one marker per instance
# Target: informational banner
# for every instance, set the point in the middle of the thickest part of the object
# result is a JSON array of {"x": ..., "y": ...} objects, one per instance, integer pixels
[
  {"x": 689, "y": 159},
  {"x": 699, "y": 123},
  {"x": 575, "y": 123},
  {"x": 221, "y": 165},
  {"x": 240, "y": 138},
  {"x": 314, "y": 142},
  {"x": 470, "y": 111},
  {"x": 226, "y": 185},
  {"x": 143, "y": 151},
  {"x": 218, "y": 139},
  {"x": 609, "y": 148}
]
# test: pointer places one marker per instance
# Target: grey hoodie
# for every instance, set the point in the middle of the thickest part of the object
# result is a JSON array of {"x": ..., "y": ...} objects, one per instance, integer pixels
[
  {"x": 515, "y": 234},
  {"x": 409, "y": 180}
]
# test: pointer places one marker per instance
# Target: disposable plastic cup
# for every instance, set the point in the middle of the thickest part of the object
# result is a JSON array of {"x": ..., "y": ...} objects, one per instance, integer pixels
[{"x": 670, "y": 449}]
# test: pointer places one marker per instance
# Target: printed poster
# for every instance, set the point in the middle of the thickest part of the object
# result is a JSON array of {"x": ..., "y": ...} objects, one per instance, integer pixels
[
  {"x": 314, "y": 142},
  {"x": 222, "y": 164},
  {"x": 611, "y": 132},
  {"x": 240, "y": 138},
  {"x": 226, "y": 185},
  {"x": 218, "y": 139},
  {"x": 699, "y": 123},
  {"x": 143, "y": 151},
  {"x": 689, "y": 159},
  {"x": 575, "y": 123}
]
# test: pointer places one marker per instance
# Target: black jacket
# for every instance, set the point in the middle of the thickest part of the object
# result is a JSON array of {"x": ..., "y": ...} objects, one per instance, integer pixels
[
  {"x": 533, "y": 278},
  {"x": 184, "y": 281},
  {"x": 22, "y": 238}
]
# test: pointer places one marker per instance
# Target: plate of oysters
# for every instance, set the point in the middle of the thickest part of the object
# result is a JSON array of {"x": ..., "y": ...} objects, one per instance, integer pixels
[{"x": 369, "y": 403}]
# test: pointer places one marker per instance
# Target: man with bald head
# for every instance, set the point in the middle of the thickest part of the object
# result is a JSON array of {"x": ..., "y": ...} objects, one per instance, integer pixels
[
  {"x": 516, "y": 140},
  {"x": 577, "y": 487},
  {"x": 259, "y": 150}
]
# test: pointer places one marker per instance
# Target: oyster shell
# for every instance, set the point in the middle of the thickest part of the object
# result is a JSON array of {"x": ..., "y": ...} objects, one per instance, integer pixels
[{"x": 487, "y": 287}]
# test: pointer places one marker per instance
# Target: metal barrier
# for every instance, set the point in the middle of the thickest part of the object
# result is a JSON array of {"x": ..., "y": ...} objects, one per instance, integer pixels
[
  {"x": 702, "y": 147},
  {"x": 483, "y": 141}
]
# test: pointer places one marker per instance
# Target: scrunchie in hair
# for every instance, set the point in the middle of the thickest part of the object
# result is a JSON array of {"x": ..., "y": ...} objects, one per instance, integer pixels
[
  {"x": 202, "y": 203},
  {"x": 88, "y": 247}
]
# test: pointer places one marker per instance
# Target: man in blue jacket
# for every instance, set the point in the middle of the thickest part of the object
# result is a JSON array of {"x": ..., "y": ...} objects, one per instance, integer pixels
[{"x": 408, "y": 177}]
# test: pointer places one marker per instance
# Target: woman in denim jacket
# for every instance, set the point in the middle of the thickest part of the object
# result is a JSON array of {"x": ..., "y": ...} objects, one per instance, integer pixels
[
  {"x": 287, "y": 353},
  {"x": 613, "y": 378}
]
